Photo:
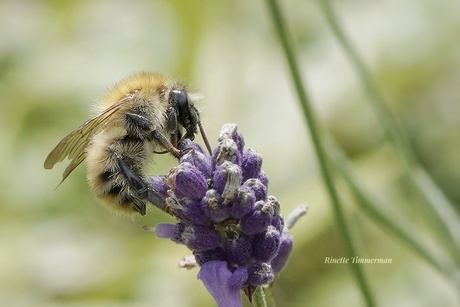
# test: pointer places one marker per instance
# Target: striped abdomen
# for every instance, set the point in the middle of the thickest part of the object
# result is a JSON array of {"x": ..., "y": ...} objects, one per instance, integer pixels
[{"x": 108, "y": 157}]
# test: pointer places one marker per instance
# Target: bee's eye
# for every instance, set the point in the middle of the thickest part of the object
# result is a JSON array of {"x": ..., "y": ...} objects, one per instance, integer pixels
[
  {"x": 180, "y": 98},
  {"x": 185, "y": 116}
]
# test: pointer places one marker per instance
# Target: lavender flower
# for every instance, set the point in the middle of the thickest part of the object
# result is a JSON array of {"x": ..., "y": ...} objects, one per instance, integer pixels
[
  {"x": 225, "y": 216},
  {"x": 223, "y": 284}
]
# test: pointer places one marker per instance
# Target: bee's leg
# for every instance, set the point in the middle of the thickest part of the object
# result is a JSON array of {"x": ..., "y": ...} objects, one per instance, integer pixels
[
  {"x": 141, "y": 187},
  {"x": 143, "y": 128},
  {"x": 166, "y": 143},
  {"x": 140, "y": 206},
  {"x": 138, "y": 125},
  {"x": 172, "y": 124},
  {"x": 174, "y": 140}
]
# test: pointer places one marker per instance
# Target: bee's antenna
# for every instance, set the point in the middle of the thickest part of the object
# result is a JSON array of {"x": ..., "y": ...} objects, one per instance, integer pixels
[{"x": 203, "y": 136}]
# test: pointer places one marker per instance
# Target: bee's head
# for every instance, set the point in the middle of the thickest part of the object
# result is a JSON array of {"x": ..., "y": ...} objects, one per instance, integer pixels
[{"x": 187, "y": 114}]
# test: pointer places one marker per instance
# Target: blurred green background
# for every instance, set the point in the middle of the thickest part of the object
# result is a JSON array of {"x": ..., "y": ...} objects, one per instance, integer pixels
[{"x": 59, "y": 247}]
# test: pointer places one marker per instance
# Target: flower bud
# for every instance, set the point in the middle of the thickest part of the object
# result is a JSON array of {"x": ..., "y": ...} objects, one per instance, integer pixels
[
  {"x": 265, "y": 244},
  {"x": 216, "y": 254},
  {"x": 251, "y": 164},
  {"x": 278, "y": 223},
  {"x": 213, "y": 207},
  {"x": 226, "y": 150},
  {"x": 193, "y": 212},
  {"x": 230, "y": 131},
  {"x": 160, "y": 185},
  {"x": 187, "y": 144},
  {"x": 238, "y": 248},
  {"x": 196, "y": 237},
  {"x": 260, "y": 273},
  {"x": 243, "y": 202},
  {"x": 258, "y": 220},
  {"x": 187, "y": 181},
  {"x": 260, "y": 190},
  {"x": 263, "y": 178},
  {"x": 227, "y": 180},
  {"x": 172, "y": 202},
  {"x": 272, "y": 206},
  {"x": 201, "y": 161}
]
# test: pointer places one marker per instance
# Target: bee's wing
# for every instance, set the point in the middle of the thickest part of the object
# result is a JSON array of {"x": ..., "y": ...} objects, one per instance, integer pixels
[{"x": 74, "y": 144}]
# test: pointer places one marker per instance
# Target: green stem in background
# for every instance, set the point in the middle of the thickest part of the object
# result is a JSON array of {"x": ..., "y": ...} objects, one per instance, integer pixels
[
  {"x": 436, "y": 206},
  {"x": 320, "y": 153},
  {"x": 381, "y": 213}
]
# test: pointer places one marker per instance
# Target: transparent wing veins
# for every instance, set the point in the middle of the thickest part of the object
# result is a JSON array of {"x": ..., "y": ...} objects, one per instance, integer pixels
[{"x": 73, "y": 146}]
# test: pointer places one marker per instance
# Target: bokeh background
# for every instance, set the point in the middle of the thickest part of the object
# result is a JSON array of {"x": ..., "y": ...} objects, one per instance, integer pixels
[{"x": 60, "y": 248}]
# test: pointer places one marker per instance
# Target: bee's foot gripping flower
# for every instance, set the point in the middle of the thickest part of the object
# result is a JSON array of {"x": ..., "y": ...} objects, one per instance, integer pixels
[{"x": 234, "y": 229}]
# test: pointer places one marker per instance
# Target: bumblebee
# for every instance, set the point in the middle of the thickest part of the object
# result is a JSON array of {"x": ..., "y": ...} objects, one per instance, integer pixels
[{"x": 144, "y": 114}]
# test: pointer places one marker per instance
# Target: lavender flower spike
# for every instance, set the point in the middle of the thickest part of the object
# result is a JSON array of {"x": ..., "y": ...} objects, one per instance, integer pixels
[{"x": 226, "y": 217}]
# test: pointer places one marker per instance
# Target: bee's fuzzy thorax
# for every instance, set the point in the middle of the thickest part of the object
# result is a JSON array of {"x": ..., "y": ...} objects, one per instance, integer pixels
[{"x": 151, "y": 83}]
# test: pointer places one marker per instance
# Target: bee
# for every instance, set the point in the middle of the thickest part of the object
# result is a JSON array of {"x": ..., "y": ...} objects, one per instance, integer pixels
[{"x": 141, "y": 115}]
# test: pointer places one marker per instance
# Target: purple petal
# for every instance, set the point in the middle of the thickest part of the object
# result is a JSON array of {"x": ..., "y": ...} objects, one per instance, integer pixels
[
  {"x": 165, "y": 231},
  {"x": 238, "y": 278},
  {"x": 222, "y": 284},
  {"x": 284, "y": 251}
]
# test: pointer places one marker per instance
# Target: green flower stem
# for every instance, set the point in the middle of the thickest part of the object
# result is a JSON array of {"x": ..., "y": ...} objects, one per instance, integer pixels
[
  {"x": 320, "y": 153},
  {"x": 269, "y": 296},
  {"x": 389, "y": 219},
  {"x": 258, "y": 298},
  {"x": 444, "y": 224}
]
